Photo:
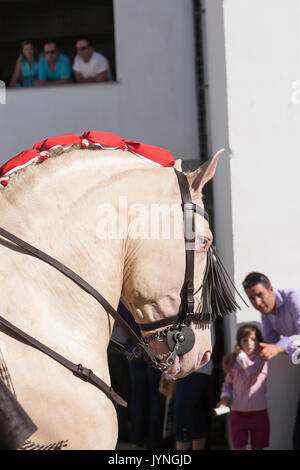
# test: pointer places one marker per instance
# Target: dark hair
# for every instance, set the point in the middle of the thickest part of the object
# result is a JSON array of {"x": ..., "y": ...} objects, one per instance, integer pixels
[
  {"x": 50, "y": 41},
  {"x": 25, "y": 43},
  {"x": 246, "y": 330},
  {"x": 254, "y": 278},
  {"x": 85, "y": 39}
]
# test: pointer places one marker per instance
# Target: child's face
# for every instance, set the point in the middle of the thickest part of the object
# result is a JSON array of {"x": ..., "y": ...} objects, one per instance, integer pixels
[{"x": 249, "y": 343}]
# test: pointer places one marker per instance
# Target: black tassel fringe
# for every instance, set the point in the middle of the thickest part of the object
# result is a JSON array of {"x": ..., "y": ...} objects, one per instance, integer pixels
[{"x": 217, "y": 298}]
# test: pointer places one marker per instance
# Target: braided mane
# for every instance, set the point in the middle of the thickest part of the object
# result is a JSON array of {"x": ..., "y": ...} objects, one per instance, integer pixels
[{"x": 93, "y": 140}]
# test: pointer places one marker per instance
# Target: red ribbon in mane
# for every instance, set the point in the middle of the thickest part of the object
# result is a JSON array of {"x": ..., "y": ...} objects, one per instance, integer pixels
[{"x": 105, "y": 139}]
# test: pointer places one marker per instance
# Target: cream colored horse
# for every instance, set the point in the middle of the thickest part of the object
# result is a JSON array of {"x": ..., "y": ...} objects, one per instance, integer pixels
[{"x": 58, "y": 207}]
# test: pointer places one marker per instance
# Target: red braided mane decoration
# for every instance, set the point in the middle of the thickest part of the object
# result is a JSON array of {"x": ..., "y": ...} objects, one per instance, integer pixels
[{"x": 105, "y": 140}]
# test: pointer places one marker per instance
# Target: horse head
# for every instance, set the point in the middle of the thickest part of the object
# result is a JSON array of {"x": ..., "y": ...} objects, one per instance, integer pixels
[{"x": 154, "y": 282}]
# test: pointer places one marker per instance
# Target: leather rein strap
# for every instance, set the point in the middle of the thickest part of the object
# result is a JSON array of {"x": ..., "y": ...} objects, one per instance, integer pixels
[
  {"x": 77, "y": 369},
  {"x": 187, "y": 305}
]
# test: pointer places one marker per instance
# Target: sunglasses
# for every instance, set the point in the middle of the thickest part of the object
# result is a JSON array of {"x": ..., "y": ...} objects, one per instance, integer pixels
[
  {"x": 84, "y": 48},
  {"x": 50, "y": 52}
]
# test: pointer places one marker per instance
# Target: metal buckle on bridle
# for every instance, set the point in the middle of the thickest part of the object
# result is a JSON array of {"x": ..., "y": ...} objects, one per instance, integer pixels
[
  {"x": 136, "y": 352},
  {"x": 83, "y": 372}
]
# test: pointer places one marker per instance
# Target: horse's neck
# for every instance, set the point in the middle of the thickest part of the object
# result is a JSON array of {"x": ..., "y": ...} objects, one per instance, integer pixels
[
  {"x": 55, "y": 205},
  {"x": 41, "y": 194},
  {"x": 45, "y": 209}
]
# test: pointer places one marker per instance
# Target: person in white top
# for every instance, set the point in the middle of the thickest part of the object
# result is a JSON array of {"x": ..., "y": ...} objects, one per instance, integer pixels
[{"x": 89, "y": 65}]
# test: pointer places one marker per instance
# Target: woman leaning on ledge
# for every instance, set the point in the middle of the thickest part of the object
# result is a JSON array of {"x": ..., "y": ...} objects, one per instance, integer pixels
[{"x": 26, "y": 69}]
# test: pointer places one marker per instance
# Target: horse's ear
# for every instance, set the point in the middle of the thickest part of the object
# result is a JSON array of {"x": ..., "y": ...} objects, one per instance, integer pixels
[
  {"x": 177, "y": 164},
  {"x": 200, "y": 177}
]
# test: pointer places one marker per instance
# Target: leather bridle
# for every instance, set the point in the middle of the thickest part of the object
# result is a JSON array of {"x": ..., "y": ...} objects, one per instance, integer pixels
[{"x": 180, "y": 336}]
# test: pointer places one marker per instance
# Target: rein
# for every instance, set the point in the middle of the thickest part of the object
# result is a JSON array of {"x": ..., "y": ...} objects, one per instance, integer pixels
[
  {"x": 217, "y": 301},
  {"x": 77, "y": 369}
]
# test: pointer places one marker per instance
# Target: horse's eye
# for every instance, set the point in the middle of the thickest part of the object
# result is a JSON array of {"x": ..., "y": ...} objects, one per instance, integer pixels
[{"x": 202, "y": 242}]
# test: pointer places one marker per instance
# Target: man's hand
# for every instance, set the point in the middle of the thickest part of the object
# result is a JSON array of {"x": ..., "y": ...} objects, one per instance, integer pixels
[
  {"x": 268, "y": 351},
  {"x": 228, "y": 361}
]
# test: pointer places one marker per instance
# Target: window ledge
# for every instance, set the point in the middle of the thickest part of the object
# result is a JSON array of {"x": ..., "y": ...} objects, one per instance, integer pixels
[{"x": 66, "y": 85}]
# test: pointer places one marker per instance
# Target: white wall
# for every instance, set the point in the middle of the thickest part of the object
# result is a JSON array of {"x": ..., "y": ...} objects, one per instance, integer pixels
[
  {"x": 154, "y": 100},
  {"x": 253, "y": 59}
]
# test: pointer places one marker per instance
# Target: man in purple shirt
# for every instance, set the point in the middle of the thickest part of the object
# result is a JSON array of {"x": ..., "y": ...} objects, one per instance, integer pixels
[{"x": 280, "y": 311}]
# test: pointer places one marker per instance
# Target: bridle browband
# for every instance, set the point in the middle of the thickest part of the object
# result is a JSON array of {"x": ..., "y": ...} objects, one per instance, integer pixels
[{"x": 180, "y": 336}]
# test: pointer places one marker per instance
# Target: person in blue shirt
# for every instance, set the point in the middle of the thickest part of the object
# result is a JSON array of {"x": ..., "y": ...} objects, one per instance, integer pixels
[
  {"x": 26, "y": 69},
  {"x": 55, "y": 68}
]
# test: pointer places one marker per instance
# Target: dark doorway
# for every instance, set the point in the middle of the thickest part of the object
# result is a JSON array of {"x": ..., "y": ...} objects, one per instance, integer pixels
[{"x": 64, "y": 21}]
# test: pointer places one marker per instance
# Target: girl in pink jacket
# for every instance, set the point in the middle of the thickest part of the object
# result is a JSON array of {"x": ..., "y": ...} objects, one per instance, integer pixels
[{"x": 245, "y": 386}]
